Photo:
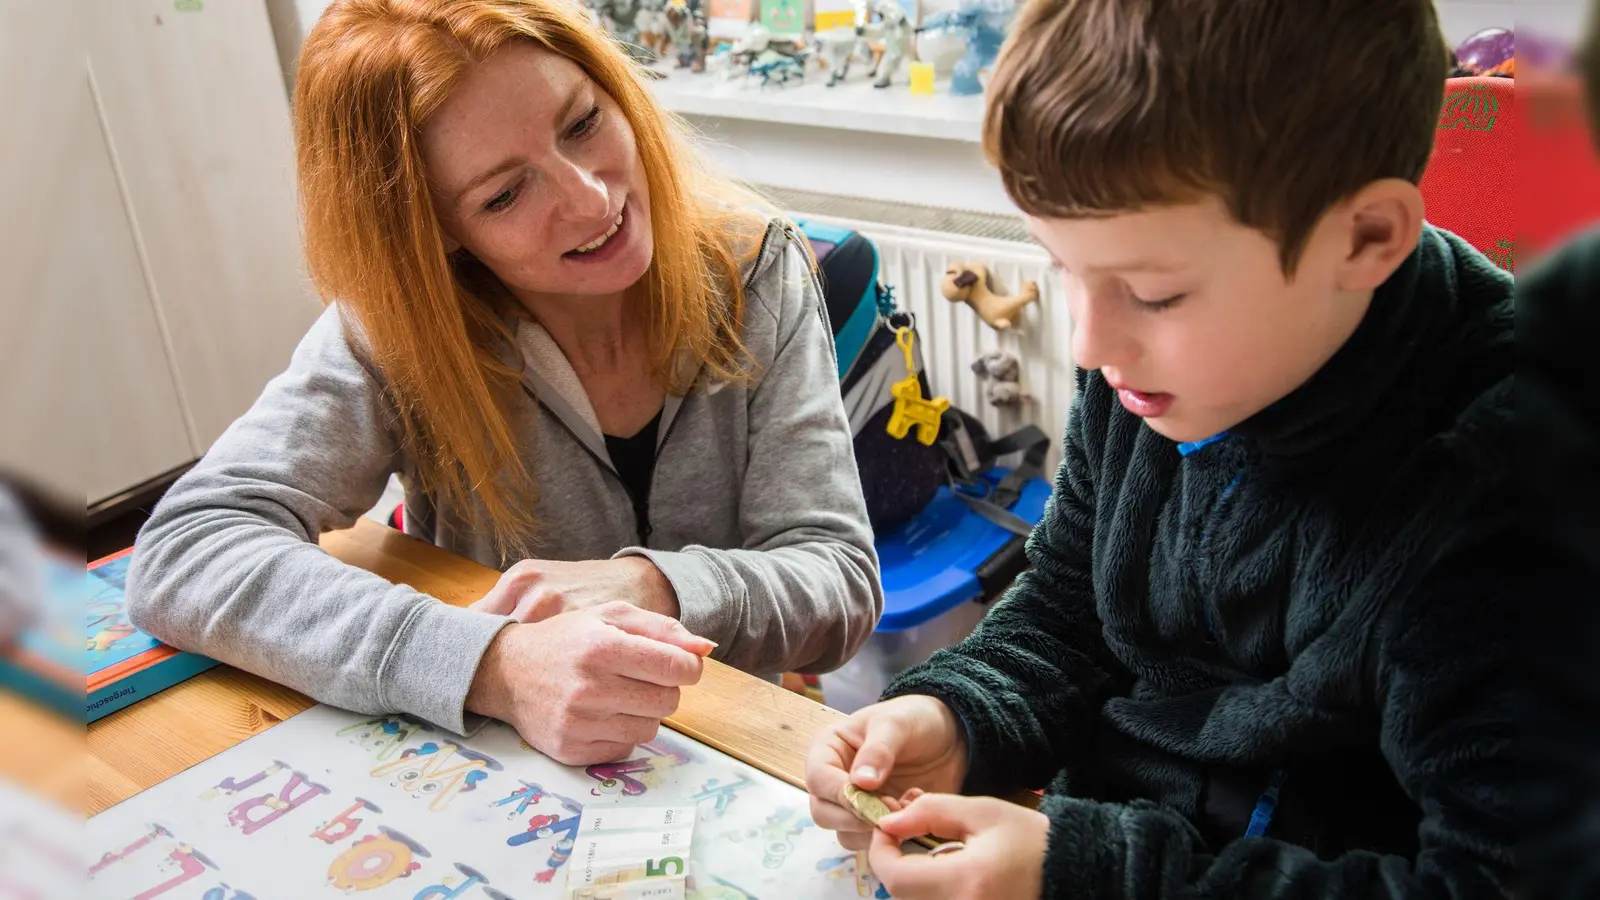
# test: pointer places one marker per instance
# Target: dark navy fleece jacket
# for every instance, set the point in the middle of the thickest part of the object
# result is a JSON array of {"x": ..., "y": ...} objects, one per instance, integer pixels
[{"x": 1319, "y": 595}]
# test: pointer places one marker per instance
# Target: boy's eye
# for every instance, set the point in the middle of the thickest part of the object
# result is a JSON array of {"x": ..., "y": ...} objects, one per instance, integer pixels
[
  {"x": 1163, "y": 303},
  {"x": 586, "y": 125}
]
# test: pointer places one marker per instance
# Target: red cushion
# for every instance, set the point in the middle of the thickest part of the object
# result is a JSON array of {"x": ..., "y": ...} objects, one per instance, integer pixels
[{"x": 1469, "y": 187}]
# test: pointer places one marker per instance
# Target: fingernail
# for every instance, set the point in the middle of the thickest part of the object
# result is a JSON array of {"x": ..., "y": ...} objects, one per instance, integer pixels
[{"x": 866, "y": 772}]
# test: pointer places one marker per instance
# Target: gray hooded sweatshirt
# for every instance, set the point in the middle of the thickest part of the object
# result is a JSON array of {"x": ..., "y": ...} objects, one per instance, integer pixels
[{"x": 755, "y": 515}]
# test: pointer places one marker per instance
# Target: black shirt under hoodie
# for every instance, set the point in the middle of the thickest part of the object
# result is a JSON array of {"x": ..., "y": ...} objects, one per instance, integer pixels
[{"x": 1315, "y": 597}]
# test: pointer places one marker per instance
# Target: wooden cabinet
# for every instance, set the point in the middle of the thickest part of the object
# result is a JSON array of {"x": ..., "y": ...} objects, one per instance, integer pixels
[{"x": 154, "y": 274}]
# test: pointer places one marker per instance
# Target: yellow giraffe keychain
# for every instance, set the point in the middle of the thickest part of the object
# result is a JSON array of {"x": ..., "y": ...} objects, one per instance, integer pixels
[{"x": 910, "y": 407}]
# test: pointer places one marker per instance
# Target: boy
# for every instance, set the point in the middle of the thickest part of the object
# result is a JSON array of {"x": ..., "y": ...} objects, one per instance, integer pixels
[{"x": 1260, "y": 650}]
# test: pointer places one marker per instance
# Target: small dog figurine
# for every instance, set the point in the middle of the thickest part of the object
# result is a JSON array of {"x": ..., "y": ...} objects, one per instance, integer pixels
[{"x": 969, "y": 283}]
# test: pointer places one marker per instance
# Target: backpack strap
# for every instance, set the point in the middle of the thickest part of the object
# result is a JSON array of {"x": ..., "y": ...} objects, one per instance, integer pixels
[
  {"x": 1034, "y": 445},
  {"x": 970, "y": 454}
]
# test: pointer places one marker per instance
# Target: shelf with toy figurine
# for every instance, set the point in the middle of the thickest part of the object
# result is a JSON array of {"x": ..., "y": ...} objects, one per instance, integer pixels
[{"x": 853, "y": 105}]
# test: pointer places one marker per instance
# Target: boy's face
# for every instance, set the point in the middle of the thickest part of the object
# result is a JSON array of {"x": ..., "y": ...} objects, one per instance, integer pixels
[{"x": 1189, "y": 316}]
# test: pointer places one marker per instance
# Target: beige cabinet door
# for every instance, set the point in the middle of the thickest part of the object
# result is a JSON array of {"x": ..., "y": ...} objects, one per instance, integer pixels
[
  {"x": 197, "y": 121},
  {"x": 125, "y": 424},
  {"x": 132, "y": 407},
  {"x": 87, "y": 400}
]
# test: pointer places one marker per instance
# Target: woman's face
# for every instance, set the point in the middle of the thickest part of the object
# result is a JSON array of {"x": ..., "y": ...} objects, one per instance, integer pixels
[{"x": 534, "y": 170}]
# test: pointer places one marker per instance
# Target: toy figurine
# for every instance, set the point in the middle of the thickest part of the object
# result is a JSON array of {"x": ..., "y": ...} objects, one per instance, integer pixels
[
  {"x": 1000, "y": 372},
  {"x": 651, "y": 23},
  {"x": 838, "y": 47},
  {"x": 686, "y": 32},
  {"x": 882, "y": 21},
  {"x": 621, "y": 20},
  {"x": 970, "y": 283},
  {"x": 773, "y": 66},
  {"x": 984, "y": 22},
  {"x": 757, "y": 48},
  {"x": 896, "y": 33}
]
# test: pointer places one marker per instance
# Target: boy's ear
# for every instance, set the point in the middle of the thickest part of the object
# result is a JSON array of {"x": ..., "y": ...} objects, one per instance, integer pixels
[{"x": 1383, "y": 224}]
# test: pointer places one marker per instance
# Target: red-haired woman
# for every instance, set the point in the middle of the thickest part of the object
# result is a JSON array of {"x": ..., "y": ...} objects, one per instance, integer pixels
[{"x": 594, "y": 366}]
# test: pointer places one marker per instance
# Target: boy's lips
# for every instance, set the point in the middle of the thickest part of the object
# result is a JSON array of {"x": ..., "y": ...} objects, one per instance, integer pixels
[{"x": 1144, "y": 404}]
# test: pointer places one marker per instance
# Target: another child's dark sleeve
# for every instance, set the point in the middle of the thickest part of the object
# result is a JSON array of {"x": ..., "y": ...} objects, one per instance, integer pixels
[{"x": 1029, "y": 683}]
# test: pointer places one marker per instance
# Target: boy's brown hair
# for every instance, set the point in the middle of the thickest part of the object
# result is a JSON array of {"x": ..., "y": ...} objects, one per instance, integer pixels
[{"x": 1281, "y": 108}]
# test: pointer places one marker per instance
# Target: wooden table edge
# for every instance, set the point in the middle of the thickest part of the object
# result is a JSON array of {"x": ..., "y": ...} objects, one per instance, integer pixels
[{"x": 717, "y": 711}]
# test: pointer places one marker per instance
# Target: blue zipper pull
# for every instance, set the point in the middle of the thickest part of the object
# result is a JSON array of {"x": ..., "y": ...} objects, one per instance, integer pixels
[{"x": 1266, "y": 806}]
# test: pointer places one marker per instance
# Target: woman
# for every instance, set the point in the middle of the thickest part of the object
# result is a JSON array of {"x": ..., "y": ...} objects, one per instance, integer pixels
[{"x": 577, "y": 349}]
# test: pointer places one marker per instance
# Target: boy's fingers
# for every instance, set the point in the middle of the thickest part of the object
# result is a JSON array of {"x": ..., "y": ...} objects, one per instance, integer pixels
[
  {"x": 947, "y": 815},
  {"x": 834, "y": 817},
  {"x": 855, "y": 840},
  {"x": 879, "y": 749},
  {"x": 826, "y": 764},
  {"x": 910, "y": 876}
]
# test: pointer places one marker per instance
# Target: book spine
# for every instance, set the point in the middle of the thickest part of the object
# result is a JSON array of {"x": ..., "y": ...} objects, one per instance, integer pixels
[
  {"x": 135, "y": 687},
  {"x": 39, "y": 688}
]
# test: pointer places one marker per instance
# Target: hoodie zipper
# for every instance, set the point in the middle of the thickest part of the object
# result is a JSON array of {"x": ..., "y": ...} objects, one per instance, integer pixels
[{"x": 641, "y": 505}]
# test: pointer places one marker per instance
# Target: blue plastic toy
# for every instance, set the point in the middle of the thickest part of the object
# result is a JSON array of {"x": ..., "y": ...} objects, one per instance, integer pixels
[{"x": 984, "y": 22}]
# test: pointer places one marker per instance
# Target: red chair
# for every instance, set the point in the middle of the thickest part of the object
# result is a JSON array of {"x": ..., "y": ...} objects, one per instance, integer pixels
[{"x": 1469, "y": 187}]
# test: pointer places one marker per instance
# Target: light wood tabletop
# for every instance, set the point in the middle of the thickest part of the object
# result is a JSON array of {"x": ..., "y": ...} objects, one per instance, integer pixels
[{"x": 134, "y": 748}]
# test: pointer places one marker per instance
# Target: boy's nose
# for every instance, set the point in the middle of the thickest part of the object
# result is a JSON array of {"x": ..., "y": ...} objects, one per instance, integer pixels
[{"x": 1098, "y": 340}]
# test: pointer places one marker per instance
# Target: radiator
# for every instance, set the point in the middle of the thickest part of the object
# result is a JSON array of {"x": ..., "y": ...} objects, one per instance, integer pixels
[{"x": 915, "y": 247}]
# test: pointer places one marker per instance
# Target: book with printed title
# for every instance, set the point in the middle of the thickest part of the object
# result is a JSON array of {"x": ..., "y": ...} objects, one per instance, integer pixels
[
  {"x": 124, "y": 664},
  {"x": 99, "y": 670}
]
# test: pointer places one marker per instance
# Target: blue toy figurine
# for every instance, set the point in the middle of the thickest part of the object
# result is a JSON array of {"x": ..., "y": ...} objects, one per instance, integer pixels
[{"x": 984, "y": 22}]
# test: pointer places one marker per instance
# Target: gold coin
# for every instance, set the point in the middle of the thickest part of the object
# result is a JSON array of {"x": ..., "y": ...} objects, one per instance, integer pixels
[{"x": 868, "y": 806}]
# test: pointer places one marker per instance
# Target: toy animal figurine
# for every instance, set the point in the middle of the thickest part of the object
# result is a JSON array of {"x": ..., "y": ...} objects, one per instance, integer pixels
[
  {"x": 651, "y": 23},
  {"x": 838, "y": 47},
  {"x": 621, "y": 18},
  {"x": 1000, "y": 371},
  {"x": 896, "y": 33},
  {"x": 969, "y": 283},
  {"x": 984, "y": 22},
  {"x": 997, "y": 364},
  {"x": 686, "y": 32},
  {"x": 774, "y": 66}
]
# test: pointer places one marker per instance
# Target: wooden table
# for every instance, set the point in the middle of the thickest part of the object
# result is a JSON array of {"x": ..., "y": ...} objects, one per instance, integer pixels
[{"x": 136, "y": 747}]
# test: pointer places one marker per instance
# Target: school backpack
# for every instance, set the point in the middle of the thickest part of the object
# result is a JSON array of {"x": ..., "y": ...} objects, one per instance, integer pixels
[{"x": 878, "y": 352}]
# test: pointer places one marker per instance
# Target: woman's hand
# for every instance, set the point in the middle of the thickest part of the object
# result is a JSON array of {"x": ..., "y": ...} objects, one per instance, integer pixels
[
  {"x": 534, "y": 590},
  {"x": 588, "y": 686},
  {"x": 888, "y": 748},
  {"x": 1003, "y": 857}
]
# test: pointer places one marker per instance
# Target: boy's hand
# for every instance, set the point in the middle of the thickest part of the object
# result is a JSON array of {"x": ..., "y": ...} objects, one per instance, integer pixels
[
  {"x": 1003, "y": 857},
  {"x": 887, "y": 748}
]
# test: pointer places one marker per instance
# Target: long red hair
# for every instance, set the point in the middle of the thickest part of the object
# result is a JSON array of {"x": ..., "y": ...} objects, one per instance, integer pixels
[{"x": 371, "y": 73}]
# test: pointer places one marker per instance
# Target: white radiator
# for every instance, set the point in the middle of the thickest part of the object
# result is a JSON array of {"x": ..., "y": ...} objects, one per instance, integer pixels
[{"x": 913, "y": 263}]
